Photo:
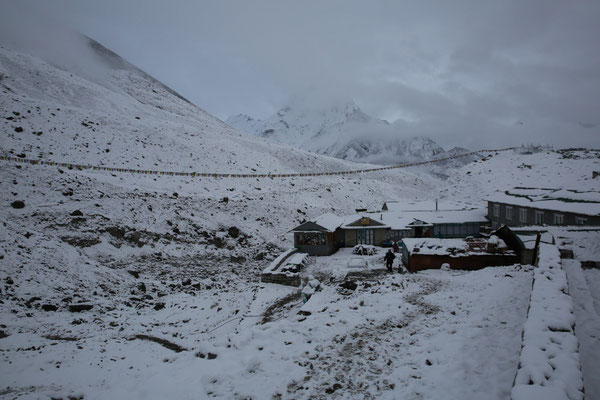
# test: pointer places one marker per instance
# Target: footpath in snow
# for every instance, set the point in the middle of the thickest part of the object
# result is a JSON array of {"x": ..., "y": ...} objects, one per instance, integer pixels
[
  {"x": 587, "y": 323},
  {"x": 549, "y": 365}
]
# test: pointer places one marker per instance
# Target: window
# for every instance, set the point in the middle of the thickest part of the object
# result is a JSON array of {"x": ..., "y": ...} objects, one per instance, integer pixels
[
  {"x": 496, "y": 210},
  {"x": 523, "y": 215},
  {"x": 310, "y": 239},
  {"x": 580, "y": 220},
  {"x": 508, "y": 212},
  {"x": 365, "y": 236},
  {"x": 539, "y": 217},
  {"x": 559, "y": 219}
]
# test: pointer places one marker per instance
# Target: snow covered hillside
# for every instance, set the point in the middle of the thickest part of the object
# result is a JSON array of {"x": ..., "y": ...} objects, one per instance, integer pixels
[
  {"x": 343, "y": 131},
  {"x": 123, "y": 246},
  {"x": 115, "y": 285},
  {"x": 572, "y": 169}
]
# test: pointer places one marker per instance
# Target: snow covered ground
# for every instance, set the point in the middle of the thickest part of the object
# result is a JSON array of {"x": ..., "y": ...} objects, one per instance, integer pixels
[
  {"x": 429, "y": 335},
  {"x": 135, "y": 286}
]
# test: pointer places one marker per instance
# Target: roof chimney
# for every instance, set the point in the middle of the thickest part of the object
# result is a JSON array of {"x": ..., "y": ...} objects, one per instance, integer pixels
[{"x": 436, "y": 204}]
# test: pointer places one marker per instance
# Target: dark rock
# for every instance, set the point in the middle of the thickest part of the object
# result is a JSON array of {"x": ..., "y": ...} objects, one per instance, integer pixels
[
  {"x": 219, "y": 242},
  {"x": 18, "y": 204},
  {"x": 175, "y": 194},
  {"x": 211, "y": 356},
  {"x": 18, "y": 129},
  {"x": 116, "y": 231},
  {"x": 135, "y": 274},
  {"x": 186, "y": 282},
  {"x": 32, "y": 300},
  {"x": 333, "y": 388},
  {"x": 49, "y": 307},
  {"x": 141, "y": 287},
  {"x": 200, "y": 355},
  {"x": 86, "y": 241},
  {"x": 3, "y": 334},
  {"x": 237, "y": 259},
  {"x": 159, "y": 306},
  {"x": 80, "y": 307},
  {"x": 225, "y": 200},
  {"x": 427, "y": 362},
  {"x": 350, "y": 285},
  {"x": 9, "y": 280},
  {"x": 77, "y": 213},
  {"x": 234, "y": 232}
]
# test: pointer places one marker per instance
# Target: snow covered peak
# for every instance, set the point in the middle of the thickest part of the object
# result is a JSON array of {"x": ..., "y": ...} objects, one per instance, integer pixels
[{"x": 341, "y": 130}]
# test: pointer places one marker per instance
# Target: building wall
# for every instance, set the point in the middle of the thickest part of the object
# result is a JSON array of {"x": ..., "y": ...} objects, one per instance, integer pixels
[
  {"x": 326, "y": 248},
  {"x": 349, "y": 237},
  {"x": 317, "y": 250},
  {"x": 547, "y": 218},
  {"x": 379, "y": 236},
  {"x": 456, "y": 230},
  {"x": 419, "y": 262}
]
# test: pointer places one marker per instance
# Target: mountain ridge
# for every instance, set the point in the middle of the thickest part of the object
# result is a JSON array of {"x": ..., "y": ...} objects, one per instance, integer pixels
[{"x": 342, "y": 131}]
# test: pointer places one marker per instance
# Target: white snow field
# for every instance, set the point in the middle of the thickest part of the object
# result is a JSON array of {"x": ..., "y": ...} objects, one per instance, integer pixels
[{"x": 122, "y": 286}]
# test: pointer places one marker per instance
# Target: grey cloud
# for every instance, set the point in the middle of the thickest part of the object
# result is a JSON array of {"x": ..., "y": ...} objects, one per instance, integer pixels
[{"x": 462, "y": 72}]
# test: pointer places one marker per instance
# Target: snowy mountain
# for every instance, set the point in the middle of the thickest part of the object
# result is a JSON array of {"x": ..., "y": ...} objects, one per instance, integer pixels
[
  {"x": 141, "y": 286},
  {"x": 92, "y": 260},
  {"x": 343, "y": 131}
]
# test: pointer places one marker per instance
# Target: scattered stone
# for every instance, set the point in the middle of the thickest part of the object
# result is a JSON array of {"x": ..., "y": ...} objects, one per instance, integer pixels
[
  {"x": 18, "y": 204},
  {"x": 186, "y": 282},
  {"x": 141, "y": 287},
  {"x": 31, "y": 301},
  {"x": 63, "y": 338},
  {"x": 211, "y": 356},
  {"x": 234, "y": 232},
  {"x": 135, "y": 274},
  {"x": 80, "y": 307},
  {"x": 350, "y": 285},
  {"x": 77, "y": 213},
  {"x": 3, "y": 334},
  {"x": 159, "y": 306},
  {"x": 427, "y": 362},
  {"x": 49, "y": 307},
  {"x": 333, "y": 388},
  {"x": 86, "y": 241},
  {"x": 163, "y": 342},
  {"x": 9, "y": 280},
  {"x": 18, "y": 129}
]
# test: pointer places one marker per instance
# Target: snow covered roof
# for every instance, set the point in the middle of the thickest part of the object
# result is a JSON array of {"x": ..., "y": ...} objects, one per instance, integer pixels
[
  {"x": 565, "y": 200},
  {"x": 329, "y": 221},
  {"x": 404, "y": 220},
  {"x": 353, "y": 221},
  {"x": 454, "y": 247},
  {"x": 435, "y": 246},
  {"x": 426, "y": 205}
]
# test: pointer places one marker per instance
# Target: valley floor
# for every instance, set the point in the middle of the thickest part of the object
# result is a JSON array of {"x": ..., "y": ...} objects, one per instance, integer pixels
[{"x": 435, "y": 334}]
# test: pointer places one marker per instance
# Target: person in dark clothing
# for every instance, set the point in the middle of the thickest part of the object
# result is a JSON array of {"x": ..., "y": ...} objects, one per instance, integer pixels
[{"x": 389, "y": 259}]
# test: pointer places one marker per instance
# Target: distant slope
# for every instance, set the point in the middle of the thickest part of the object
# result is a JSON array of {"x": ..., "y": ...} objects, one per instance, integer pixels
[{"x": 502, "y": 171}]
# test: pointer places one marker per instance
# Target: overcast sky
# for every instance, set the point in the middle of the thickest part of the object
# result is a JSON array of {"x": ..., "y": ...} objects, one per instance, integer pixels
[{"x": 468, "y": 73}]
